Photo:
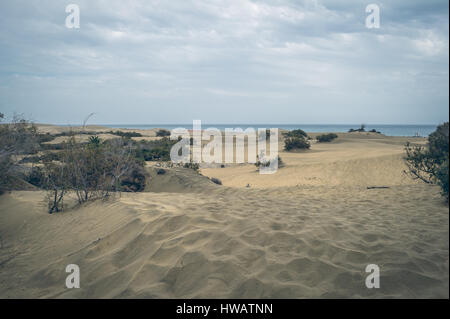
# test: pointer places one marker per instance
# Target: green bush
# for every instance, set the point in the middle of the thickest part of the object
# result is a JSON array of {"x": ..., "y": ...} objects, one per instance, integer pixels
[
  {"x": 125, "y": 134},
  {"x": 326, "y": 137},
  {"x": 163, "y": 133},
  {"x": 430, "y": 164},
  {"x": 30, "y": 159},
  {"x": 293, "y": 143},
  {"x": 158, "y": 150},
  {"x": 16, "y": 138},
  {"x": 133, "y": 181},
  {"x": 361, "y": 129},
  {"x": 443, "y": 178},
  {"x": 42, "y": 138},
  {"x": 93, "y": 170},
  {"x": 36, "y": 177},
  {"x": 296, "y": 133}
]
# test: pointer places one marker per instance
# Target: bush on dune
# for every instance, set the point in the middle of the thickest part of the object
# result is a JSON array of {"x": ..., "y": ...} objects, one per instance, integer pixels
[
  {"x": 296, "y": 143},
  {"x": 125, "y": 134},
  {"x": 93, "y": 170},
  {"x": 158, "y": 150},
  {"x": 193, "y": 166},
  {"x": 19, "y": 137},
  {"x": 362, "y": 128},
  {"x": 296, "y": 133},
  {"x": 36, "y": 177},
  {"x": 163, "y": 133},
  {"x": 96, "y": 170},
  {"x": 430, "y": 164},
  {"x": 326, "y": 137},
  {"x": 134, "y": 181}
]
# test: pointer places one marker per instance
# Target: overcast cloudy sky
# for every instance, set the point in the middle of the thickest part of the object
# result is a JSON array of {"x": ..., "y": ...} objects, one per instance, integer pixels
[{"x": 235, "y": 61}]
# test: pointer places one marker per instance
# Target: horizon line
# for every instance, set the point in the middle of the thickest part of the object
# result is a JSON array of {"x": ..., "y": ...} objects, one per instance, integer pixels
[{"x": 206, "y": 123}]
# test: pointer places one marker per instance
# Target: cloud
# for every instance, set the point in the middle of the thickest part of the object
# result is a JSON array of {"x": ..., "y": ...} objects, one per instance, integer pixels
[{"x": 236, "y": 60}]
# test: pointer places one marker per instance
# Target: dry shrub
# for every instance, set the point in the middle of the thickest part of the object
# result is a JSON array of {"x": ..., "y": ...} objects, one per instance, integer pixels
[{"x": 430, "y": 164}]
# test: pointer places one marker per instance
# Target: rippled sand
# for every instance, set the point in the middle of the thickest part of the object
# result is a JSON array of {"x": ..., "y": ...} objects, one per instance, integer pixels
[{"x": 308, "y": 231}]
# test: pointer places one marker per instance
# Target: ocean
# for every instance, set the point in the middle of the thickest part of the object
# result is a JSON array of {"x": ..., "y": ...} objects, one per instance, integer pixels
[{"x": 389, "y": 130}]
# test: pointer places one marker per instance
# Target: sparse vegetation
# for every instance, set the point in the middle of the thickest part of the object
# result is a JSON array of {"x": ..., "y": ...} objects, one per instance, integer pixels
[
  {"x": 93, "y": 170},
  {"x": 36, "y": 177},
  {"x": 194, "y": 166},
  {"x": 125, "y": 134},
  {"x": 298, "y": 133},
  {"x": 266, "y": 163},
  {"x": 361, "y": 129},
  {"x": 134, "y": 181},
  {"x": 296, "y": 143},
  {"x": 163, "y": 133},
  {"x": 326, "y": 137},
  {"x": 158, "y": 150},
  {"x": 16, "y": 138},
  {"x": 430, "y": 164},
  {"x": 56, "y": 180}
]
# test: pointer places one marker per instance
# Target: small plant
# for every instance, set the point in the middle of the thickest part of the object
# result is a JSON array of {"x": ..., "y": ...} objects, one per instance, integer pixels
[
  {"x": 94, "y": 141},
  {"x": 430, "y": 164},
  {"x": 43, "y": 138},
  {"x": 326, "y": 137},
  {"x": 362, "y": 128},
  {"x": 266, "y": 163},
  {"x": 158, "y": 150},
  {"x": 93, "y": 170},
  {"x": 57, "y": 183},
  {"x": 125, "y": 134},
  {"x": 163, "y": 133},
  {"x": 36, "y": 177},
  {"x": 161, "y": 171},
  {"x": 293, "y": 143},
  {"x": 133, "y": 181},
  {"x": 30, "y": 159},
  {"x": 194, "y": 166},
  {"x": 16, "y": 138}
]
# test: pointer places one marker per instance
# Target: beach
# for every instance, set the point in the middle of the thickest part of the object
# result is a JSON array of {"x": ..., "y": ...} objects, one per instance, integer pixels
[{"x": 307, "y": 231}]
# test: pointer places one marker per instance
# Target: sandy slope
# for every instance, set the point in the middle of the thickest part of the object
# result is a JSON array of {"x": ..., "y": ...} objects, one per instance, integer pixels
[{"x": 307, "y": 231}]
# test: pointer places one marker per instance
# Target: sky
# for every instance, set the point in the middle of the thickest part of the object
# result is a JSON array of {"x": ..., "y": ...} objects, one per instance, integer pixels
[{"x": 234, "y": 61}]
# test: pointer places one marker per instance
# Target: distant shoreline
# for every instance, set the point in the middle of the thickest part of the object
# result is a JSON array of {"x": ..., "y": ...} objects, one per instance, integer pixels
[
  {"x": 405, "y": 130},
  {"x": 399, "y": 130}
]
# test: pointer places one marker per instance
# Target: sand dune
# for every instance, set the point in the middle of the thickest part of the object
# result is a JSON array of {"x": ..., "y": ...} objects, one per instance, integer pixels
[{"x": 308, "y": 231}]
